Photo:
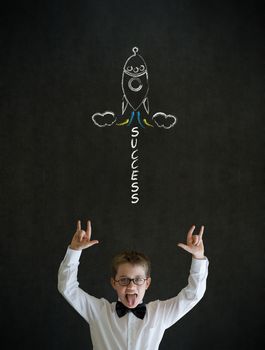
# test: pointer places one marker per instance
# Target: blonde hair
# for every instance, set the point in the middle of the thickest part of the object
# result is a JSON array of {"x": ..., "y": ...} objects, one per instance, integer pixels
[{"x": 132, "y": 257}]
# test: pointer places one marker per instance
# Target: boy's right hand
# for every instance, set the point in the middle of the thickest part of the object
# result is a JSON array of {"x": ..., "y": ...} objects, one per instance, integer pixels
[{"x": 82, "y": 239}]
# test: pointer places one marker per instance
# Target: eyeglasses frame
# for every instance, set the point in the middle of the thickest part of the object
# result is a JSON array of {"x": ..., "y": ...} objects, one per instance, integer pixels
[{"x": 130, "y": 280}]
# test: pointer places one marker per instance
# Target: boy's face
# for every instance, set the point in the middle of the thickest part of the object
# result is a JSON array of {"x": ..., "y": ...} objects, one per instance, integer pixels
[{"x": 130, "y": 295}]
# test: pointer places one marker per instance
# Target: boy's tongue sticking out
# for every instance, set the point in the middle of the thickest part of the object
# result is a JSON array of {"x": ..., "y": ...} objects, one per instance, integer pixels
[{"x": 131, "y": 300}]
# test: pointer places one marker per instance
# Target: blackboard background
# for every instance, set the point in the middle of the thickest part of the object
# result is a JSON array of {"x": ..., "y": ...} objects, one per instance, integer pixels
[{"x": 61, "y": 61}]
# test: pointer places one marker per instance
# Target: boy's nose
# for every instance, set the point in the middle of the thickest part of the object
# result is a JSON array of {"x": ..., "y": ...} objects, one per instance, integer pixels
[{"x": 131, "y": 286}]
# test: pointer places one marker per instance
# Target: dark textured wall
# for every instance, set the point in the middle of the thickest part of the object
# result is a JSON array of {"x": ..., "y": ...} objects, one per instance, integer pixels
[{"x": 61, "y": 61}]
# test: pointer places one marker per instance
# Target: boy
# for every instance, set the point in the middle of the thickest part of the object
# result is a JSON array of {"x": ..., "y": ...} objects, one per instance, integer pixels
[{"x": 129, "y": 324}]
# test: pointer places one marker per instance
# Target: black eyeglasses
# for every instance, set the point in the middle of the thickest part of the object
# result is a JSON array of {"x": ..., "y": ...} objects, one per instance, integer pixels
[{"x": 125, "y": 281}]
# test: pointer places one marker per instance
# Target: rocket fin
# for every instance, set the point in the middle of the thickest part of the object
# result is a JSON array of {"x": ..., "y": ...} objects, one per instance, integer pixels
[
  {"x": 146, "y": 105},
  {"x": 124, "y": 104}
]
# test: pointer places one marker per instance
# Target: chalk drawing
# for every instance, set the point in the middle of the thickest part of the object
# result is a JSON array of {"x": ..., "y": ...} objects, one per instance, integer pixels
[
  {"x": 134, "y": 83},
  {"x": 135, "y": 113},
  {"x": 104, "y": 119},
  {"x": 135, "y": 108},
  {"x": 164, "y": 121},
  {"x": 134, "y": 166}
]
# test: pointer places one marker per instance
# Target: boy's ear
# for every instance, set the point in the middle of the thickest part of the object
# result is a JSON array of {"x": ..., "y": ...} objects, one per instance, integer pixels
[
  {"x": 148, "y": 282},
  {"x": 112, "y": 282}
]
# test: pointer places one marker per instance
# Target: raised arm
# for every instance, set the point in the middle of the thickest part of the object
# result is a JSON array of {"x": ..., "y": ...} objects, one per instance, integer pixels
[
  {"x": 68, "y": 284},
  {"x": 175, "y": 308}
]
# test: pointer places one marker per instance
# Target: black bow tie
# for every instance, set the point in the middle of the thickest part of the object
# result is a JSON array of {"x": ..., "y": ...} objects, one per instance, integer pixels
[{"x": 139, "y": 311}]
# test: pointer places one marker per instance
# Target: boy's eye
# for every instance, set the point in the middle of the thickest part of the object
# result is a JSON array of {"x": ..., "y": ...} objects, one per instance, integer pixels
[
  {"x": 125, "y": 280},
  {"x": 138, "y": 280}
]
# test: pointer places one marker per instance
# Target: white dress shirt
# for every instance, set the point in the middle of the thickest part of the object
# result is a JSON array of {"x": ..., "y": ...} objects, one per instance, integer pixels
[{"x": 108, "y": 331}]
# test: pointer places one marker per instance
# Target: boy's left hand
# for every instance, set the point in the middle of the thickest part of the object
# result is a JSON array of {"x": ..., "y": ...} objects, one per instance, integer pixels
[{"x": 194, "y": 243}]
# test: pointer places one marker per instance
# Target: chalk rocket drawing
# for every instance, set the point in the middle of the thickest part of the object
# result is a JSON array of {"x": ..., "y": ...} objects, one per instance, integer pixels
[
  {"x": 135, "y": 84},
  {"x": 135, "y": 103}
]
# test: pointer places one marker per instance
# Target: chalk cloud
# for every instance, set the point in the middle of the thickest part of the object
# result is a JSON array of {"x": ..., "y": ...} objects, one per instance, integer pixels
[
  {"x": 163, "y": 120},
  {"x": 104, "y": 119}
]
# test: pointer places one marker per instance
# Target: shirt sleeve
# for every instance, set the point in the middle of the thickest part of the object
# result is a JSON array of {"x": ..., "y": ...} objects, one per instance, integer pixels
[
  {"x": 175, "y": 308},
  {"x": 85, "y": 304}
]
